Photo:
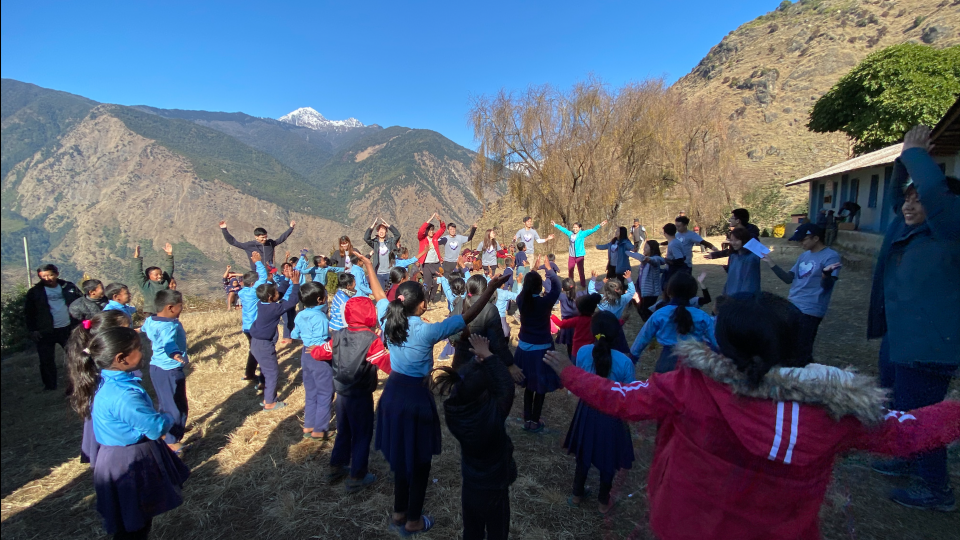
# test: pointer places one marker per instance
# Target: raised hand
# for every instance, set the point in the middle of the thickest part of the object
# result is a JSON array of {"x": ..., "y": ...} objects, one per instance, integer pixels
[
  {"x": 550, "y": 237},
  {"x": 136, "y": 252},
  {"x": 364, "y": 261},
  {"x": 701, "y": 278},
  {"x": 593, "y": 274},
  {"x": 295, "y": 276},
  {"x": 223, "y": 224},
  {"x": 229, "y": 268},
  {"x": 918, "y": 137},
  {"x": 293, "y": 224},
  {"x": 554, "y": 223},
  {"x": 603, "y": 223},
  {"x": 256, "y": 257},
  {"x": 168, "y": 248},
  {"x": 480, "y": 346},
  {"x": 832, "y": 267},
  {"x": 556, "y": 362},
  {"x": 626, "y": 275},
  {"x": 173, "y": 287}
]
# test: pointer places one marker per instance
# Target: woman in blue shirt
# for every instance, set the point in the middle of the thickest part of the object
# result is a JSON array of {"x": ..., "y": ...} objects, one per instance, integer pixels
[
  {"x": 674, "y": 322},
  {"x": 595, "y": 438},
  {"x": 136, "y": 476},
  {"x": 408, "y": 427}
]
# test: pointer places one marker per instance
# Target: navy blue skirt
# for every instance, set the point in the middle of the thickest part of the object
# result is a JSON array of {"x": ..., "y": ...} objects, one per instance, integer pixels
[
  {"x": 88, "y": 444},
  {"x": 565, "y": 337},
  {"x": 538, "y": 376},
  {"x": 137, "y": 482},
  {"x": 408, "y": 426},
  {"x": 600, "y": 440}
]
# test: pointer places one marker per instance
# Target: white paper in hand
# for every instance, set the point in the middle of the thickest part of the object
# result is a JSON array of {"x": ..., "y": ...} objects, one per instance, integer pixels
[{"x": 755, "y": 247}]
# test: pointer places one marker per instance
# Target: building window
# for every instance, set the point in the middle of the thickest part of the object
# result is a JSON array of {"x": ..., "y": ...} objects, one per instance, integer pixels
[{"x": 874, "y": 190}]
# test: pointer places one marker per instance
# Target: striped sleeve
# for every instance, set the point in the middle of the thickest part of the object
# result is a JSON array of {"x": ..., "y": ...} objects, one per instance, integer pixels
[{"x": 652, "y": 399}]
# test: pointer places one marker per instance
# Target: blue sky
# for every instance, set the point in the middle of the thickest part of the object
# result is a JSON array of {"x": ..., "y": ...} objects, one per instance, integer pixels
[{"x": 414, "y": 64}]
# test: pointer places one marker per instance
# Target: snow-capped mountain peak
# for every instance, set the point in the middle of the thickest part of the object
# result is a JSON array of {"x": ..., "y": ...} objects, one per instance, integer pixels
[{"x": 309, "y": 118}]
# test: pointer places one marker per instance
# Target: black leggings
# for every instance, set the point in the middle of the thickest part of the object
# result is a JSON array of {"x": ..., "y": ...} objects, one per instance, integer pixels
[
  {"x": 532, "y": 405},
  {"x": 409, "y": 493},
  {"x": 580, "y": 480},
  {"x": 251, "y": 370},
  {"x": 429, "y": 280},
  {"x": 139, "y": 534},
  {"x": 643, "y": 308}
]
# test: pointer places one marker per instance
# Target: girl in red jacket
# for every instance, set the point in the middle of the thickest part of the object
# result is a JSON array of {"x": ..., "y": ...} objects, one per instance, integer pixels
[{"x": 748, "y": 438}]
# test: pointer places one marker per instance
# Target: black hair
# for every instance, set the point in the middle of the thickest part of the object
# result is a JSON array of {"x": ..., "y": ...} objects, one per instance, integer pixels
[
  {"x": 521, "y": 246},
  {"x": 405, "y": 250},
  {"x": 312, "y": 294},
  {"x": 430, "y": 227},
  {"x": 249, "y": 278},
  {"x": 345, "y": 280},
  {"x": 532, "y": 284},
  {"x": 49, "y": 268},
  {"x": 551, "y": 257},
  {"x": 397, "y": 275},
  {"x": 606, "y": 328},
  {"x": 285, "y": 265},
  {"x": 396, "y": 327},
  {"x": 471, "y": 384},
  {"x": 612, "y": 292},
  {"x": 622, "y": 233},
  {"x": 654, "y": 247},
  {"x": 354, "y": 260},
  {"x": 577, "y": 223},
  {"x": 683, "y": 219},
  {"x": 569, "y": 287},
  {"x": 758, "y": 332},
  {"x": 90, "y": 285},
  {"x": 150, "y": 270},
  {"x": 670, "y": 229},
  {"x": 457, "y": 286},
  {"x": 114, "y": 289},
  {"x": 680, "y": 289},
  {"x": 266, "y": 292},
  {"x": 742, "y": 214},
  {"x": 93, "y": 356},
  {"x": 167, "y": 297},
  {"x": 259, "y": 231},
  {"x": 454, "y": 225},
  {"x": 476, "y": 284},
  {"x": 526, "y": 219},
  {"x": 587, "y": 304},
  {"x": 317, "y": 259},
  {"x": 742, "y": 234}
]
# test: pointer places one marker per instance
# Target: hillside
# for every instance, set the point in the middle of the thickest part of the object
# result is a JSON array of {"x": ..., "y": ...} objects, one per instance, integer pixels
[{"x": 768, "y": 73}]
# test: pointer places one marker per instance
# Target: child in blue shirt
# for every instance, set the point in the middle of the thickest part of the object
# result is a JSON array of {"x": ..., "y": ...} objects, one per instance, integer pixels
[
  {"x": 743, "y": 272},
  {"x": 313, "y": 328},
  {"x": 263, "y": 336},
  {"x": 136, "y": 476},
  {"x": 361, "y": 282},
  {"x": 248, "y": 308},
  {"x": 169, "y": 344},
  {"x": 119, "y": 297},
  {"x": 674, "y": 322},
  {"x": 615, "y": 299},
  {"x": 346, "y": 289}
]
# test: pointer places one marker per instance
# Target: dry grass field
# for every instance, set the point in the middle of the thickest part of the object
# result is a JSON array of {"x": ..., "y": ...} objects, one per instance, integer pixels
[{"x": 254, "y": 477}]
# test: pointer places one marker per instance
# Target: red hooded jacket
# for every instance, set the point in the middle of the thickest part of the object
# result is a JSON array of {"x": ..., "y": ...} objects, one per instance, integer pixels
[
  {"x": 360, "y": 314},
  {"x": 422, "y": 236},
  {"x": 736, "y": 462}
]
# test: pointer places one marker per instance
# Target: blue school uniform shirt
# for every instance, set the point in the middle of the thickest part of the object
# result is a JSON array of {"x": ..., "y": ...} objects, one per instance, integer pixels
[
  {"x": 404, "y": 263},
  {"x": 123, "y": 413},
  {"x": 503, "y": 300},
  {"x": 359, "y": 276},
  {"x": 414, "y": 357},
  {"x": 129, "y": 310},
  {"x": 337, "y": 321},
  {"x": 167, "y": 338},
  {"x": 248, "y": 297},
  {"x": 316, "y": 273},
  {"x": 616, "y": 309},
  {"x": 806, "y": 292},
  {"x": 660, "y": 325},
  {"x": 622, "y": 369},
  {"x": 520, "y": 259},
  {"x": 447, "y": 292},
  {"x": 270, "y": 313},
  {"x": 743, "y": 273},
  {"x": 311, "y": 326},
  {"x": 284, "y": 286}
]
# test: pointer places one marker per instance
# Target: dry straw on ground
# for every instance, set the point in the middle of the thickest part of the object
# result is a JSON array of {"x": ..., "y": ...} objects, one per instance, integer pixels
[{"x": 254, "y": 476}]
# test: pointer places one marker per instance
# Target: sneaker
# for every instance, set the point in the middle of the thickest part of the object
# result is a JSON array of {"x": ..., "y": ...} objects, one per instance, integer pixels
[
  {"x": 894, "y": 467},
  {"x": 353, "y": 485},
  {"x": 925, "y": 498}
]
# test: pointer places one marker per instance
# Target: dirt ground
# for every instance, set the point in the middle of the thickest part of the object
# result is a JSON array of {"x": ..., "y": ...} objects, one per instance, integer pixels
[{"x": 253, "y": 474}]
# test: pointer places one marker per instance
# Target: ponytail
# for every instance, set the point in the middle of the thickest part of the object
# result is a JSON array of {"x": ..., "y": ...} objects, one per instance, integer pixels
[
  {"x": 680, "y": 289},
  {"x": 89, "y": 353},
  {"x": 476, "y": 284},
  {"x": 606, "y": 329},
  {"x": 612, "y": 292},
  {"x": 569, "y": 287},
  {"x": 396, "y": 327},
  {"x": 683, "y": 320}
]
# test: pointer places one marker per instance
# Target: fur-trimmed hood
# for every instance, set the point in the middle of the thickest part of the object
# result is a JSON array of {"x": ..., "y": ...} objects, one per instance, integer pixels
[{"x": 842, "y": 392}]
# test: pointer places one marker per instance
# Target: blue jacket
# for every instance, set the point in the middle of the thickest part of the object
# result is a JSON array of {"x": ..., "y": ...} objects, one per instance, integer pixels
[
  {"x": 167, "y": 338},
  {"x": 578, "y": 249},
  {"x": 915, "y": 295},
  {"x": 618, "y": 257},
  {"x": 660, "y": 325},
  {"x": 362, "y": 286},
  {"x": 248, "y": 297}
]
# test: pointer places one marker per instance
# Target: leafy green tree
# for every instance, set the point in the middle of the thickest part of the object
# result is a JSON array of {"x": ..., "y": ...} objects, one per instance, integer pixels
[{"x": 888, "y": 93}]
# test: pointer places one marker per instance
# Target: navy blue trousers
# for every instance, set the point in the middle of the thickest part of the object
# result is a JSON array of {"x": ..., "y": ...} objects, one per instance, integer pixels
[
  {"x": 354, "y": 433},
  {"x": 288, "y": 322},
  {"x": 318, "y": 390},
  {"x": 171, "y": 388},
  {"x": 266, "y": 354},
  {"x": 486, "y": 513},
  {"x": 915, "y": 386}
]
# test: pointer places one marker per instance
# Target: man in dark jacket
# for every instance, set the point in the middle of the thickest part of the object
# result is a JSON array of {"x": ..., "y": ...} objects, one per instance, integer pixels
[
  {"x": 47, "y": 317},
  {"x": 265, "y": 246},
  {"x": 91, "y": 303},
  {"x": 915, "y": 307}
]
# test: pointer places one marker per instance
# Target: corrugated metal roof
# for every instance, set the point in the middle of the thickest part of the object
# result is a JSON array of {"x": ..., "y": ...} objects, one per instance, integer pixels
[
  {"x": 877, "y": 157},
  {"x": 946, "y": 134}
]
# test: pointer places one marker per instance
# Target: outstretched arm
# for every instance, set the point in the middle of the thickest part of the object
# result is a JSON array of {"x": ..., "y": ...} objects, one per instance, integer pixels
[
  {"x": 229, "y": 237},
  {"x": 375, "y": 287},
  {"x": 912, "y": 432},
  {"x": 283, "y": 237}
]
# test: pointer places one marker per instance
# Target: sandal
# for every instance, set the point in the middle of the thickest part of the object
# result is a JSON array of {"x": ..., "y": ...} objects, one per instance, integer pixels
[
  {"x": 276, "y": 405},
  {"x": 427, "y": 525},
  {"x": 613, "y": 502}
]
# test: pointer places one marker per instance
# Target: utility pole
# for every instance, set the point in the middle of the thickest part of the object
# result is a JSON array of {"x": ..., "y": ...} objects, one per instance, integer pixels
[{"x": 26, "y": 256}]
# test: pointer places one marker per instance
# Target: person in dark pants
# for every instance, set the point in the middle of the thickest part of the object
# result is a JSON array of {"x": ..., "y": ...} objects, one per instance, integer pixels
[
  {"x": 811, "y": 283},
  {"x": 914, "y": 308},
  {"x": 47, "y": 317},
  {"x": 481, "y": 394},
  {"x": 168, "y": 341}
]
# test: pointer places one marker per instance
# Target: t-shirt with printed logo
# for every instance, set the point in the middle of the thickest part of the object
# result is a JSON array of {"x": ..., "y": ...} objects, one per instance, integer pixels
[{"x": 806, "y": 292}]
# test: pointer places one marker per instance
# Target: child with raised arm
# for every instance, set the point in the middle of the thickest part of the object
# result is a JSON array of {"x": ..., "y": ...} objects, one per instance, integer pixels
[
  {"x": 232, "y": 283},
  {"x": 579, "y": 323},
  {"x": 577, "y": 252},
  {"x": 169, "y": 343},
  {"x": 618, "y": 260},
  {"x": 748, "y": 437},
  {"x": 248, "y": 311},
  {"x": 154, "y": 279},
  {"x": 263, "y": 334},
  {"x": 490, "y": 250},
  {"x": 429, "y": 257}
]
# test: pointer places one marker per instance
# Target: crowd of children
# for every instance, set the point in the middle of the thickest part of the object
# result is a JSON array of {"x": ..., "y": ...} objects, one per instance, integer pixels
[{"x": 728, "y": 392}]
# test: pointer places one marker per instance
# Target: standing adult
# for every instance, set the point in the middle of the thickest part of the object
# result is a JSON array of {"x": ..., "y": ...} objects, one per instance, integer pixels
[
  {"x": 47, "y": 317},
  {"x": 452, "y": 245},
  {"x": 915, "y": 307},
  {"x": 529, "y": 236},
  {"x": 740, "y": 218},
  {"x": 577, "y": 251},
  {"x": 261, "y": 243},
  {"x": 638, "y": 233},
  {"x": 429, "y": 254},
  {"x": 383, "y": 243}
]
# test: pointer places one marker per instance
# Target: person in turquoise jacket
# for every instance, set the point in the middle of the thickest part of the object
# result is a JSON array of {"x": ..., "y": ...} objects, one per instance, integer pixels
[{"x": 576, "y": 249}]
